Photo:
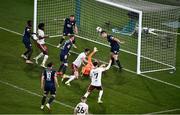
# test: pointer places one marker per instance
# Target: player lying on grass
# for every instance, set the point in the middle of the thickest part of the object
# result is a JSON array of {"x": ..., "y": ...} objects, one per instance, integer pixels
[
  {"x": 48, "y": 81},
  {"x": 69, "y": 28},
  {"x": 87, "y": 68},
  {"x": 27, "y": 42},
  {"x": 96, "y": 76},
  {"x": 81, "y": 108},
  {"x": 41, "y": 45},
  {"x": 64, "y": 52},
  {"x": 115, "y": 47},
  {"x": 76, "y": 65}
]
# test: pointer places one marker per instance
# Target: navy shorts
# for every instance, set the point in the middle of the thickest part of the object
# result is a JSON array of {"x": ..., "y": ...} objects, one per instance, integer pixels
[
  {"x": 27, "y": 44},
  {"x": 50, "y": 89},
  {"x": 63, "y": 58},
  {"x": 115, "y": 50},
  {"x": 66, "y": 33}
]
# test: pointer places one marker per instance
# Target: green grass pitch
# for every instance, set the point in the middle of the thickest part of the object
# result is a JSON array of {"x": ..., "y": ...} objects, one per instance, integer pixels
[{"x": 124, "y": 92}]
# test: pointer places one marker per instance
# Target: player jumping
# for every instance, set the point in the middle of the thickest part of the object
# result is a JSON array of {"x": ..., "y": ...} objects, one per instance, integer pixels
[
  {"x": 114, "y": 43},
  {"x": 27, "y": 42},
  {"x": 96, "y": 75},
  {"x": 41, "y": 45},
  {"x": 69, "y": 28},
  {"x": 48, "y": 81},
  {"x": 81, "y": 108},
  {"x": 76, "y": 65},
  {"x": 87, "y": 68},
  {"x": 64, "y": 55}
]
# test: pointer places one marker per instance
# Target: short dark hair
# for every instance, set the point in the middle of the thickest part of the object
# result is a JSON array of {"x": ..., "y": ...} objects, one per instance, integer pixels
[
  {"x": 86, "y": 50},
  {"x": 83, "y": 98},
  {"x": 70, "y": 36},
  {"x": 41, "y": 25},
  {"x": 29, "y": 21},
  {"x": 72, "y": 15},
  {"x": 103, "y": 32},
  {"x": 50, "y": 64},
  {"x": 95, "y": 64}
]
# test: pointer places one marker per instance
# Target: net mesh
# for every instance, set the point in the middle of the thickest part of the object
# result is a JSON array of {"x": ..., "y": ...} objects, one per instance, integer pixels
[{"x": 157, "y": 51}]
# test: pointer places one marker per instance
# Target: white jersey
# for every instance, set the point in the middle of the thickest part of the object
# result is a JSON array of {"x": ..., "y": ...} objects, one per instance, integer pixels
[
  {"x": 81, "y": 108},
  {"x": 40, "y": 33},
  {"x": 81, "y": 57},
  {"x": 96, "y": 75}
]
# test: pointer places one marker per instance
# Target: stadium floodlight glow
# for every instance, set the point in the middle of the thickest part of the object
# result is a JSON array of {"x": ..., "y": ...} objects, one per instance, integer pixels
[{"x": 150, "y": 38}]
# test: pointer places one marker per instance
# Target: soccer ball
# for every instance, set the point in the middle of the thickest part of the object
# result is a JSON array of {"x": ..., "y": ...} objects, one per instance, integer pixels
[{"x": 99, "y": 29}]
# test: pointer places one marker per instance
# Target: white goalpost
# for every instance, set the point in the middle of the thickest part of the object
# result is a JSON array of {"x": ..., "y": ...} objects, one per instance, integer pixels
[{"x": 146, "y": 27}]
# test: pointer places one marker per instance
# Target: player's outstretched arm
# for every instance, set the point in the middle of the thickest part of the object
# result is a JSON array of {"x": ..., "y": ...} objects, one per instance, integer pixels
[
  {"x": 91, "y": 54},
  {"x": 109, "y": 65}
]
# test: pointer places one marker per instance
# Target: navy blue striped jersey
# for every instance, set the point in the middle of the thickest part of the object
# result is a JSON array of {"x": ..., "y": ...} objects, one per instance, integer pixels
[
  {"x": 49, "y": 75},
  {"x": 113, "y": 43},
  {"x": 27, "y": 34},
  {"x": 66, "y": 47},
  {"x": 68, "y": 25}
]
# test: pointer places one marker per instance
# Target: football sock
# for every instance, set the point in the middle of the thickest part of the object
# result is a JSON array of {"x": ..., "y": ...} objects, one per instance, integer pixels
[
  {"x": 29, "y": 54},
  {"x": 72, "y": 77},
  {"x": 51, "y": 99},
  {"x": 60, "y": 68},
  {"x": 64, "y": 69},
  {"x": 86, "y": 94},
  {"x": 100, "y": 94},
  {"x": 26, "y": 52},
  {"x": 61, "y": 41},
  {"x": 40, "y": 55},
  {"x": 112, "y": 61},
  {"x": 118, "y": 63},
  {"x": 45, "y": 59},
  {"x": 43, "y": 100}
]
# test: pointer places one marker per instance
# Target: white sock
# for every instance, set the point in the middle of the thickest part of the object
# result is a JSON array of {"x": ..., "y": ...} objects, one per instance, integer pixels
[
  {"x": 39, "y": 56},
  {"x": 86, "y": 94},
  {"x": 72, "y": 77},
  {"x": 100, "y": 95},
  {"x": 45, "y": 59}
]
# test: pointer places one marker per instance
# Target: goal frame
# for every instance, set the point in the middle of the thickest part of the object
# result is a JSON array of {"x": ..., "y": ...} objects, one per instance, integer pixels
[{"x": 140, "y": 21}]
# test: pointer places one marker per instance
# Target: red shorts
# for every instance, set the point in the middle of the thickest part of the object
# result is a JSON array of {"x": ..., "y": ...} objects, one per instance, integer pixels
[
  {"x": 43, "y": 48},
  {"x": 74, "y": 68}
]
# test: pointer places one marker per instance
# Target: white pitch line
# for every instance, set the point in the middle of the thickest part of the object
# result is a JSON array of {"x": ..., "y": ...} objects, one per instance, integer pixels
[
  {"x": 165, "y": 111},
  {"x": 143, "y": 75},
  {"x": 32, "y": 93}
]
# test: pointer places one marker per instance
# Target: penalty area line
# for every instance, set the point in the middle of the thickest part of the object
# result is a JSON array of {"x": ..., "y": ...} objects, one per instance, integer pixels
[
  {"x": 32, "y": 93},
  {"x": 142, "y": 75}
]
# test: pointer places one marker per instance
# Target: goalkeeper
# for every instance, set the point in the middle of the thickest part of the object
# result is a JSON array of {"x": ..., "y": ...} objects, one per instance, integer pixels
[{"x": 87, "y": 68}]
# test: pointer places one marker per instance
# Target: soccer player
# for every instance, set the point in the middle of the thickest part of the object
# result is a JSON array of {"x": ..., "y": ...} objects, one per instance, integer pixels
[
  {"x": 81, "y": 108},
  {"x": 87, "y": 68},
  {"x": 64, "y": 55},
  {"x": 96, "y": 75},
  {"x": 41, "y": 45},
  {"x": 48, "y": 81},
  {"x": 114, "y": 43},
  {"x": 27, "y": 42},
  {"x": 69, "y": 28},
  {"x": 76, "y": 65}
]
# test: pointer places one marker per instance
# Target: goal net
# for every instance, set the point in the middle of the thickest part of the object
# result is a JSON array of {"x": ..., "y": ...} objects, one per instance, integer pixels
[{"x": 148, "y": 29}]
